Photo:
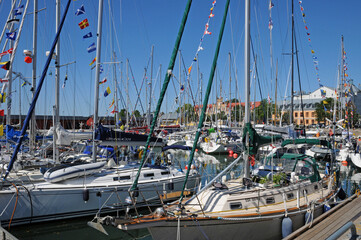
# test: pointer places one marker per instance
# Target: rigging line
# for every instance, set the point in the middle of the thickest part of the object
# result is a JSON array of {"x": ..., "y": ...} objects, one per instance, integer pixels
[
  {"x": 187, "y": 79},
  {"x": 299, "y": 82},
  {"x": 135, "y": 84},
  {"x": 285, "y": 95},
  {"x": 260, "y": 46},
  {"x": 138, "y": 98},
  {"x": 256, "y": 69}
]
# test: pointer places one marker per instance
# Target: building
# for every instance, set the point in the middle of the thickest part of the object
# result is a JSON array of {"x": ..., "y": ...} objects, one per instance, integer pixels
[{"x": 349, "y": 93}]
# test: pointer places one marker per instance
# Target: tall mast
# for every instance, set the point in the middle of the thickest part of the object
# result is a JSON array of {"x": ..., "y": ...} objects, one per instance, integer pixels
[
  {"x": 275, "y": 114},
  {"x": 9, "y": 76},
  {"x": 230, "y": 85},
  {"x": 247, "y": 80},
  {"x": 292, "y": 63},
  {"x": 150, "y": 87},
  {"x": 342, "y": 76},
  {"x": 180, "y": 87},
  {"x": 97, "y": 73},
  {"x": 35, "y": 39},
  {"x": 127, "y": 95}
]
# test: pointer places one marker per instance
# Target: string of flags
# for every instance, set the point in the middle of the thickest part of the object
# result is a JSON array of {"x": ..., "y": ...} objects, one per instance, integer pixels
[
  {"x": 200, "y": 48},
  {"x": 314, "y": 57}
]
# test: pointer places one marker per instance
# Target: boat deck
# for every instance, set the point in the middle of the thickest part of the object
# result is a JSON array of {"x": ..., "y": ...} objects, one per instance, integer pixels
[{"x": 329, "y": 222}]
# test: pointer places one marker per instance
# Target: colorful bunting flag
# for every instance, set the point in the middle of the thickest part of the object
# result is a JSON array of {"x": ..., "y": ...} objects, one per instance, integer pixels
[
  {"x": 91, "y": 48},
  {"x": 11, "y": 36},
  {"x": 107, "y": 92},
  {"x": 5, "y": 65},
  {"x": 80, "y": 11},
  {"x": 19, "y": 10},
  {"x": 93, "y": 61},
  {"x": 112, "y": 103},
  {"x": 103, "y": 81},
  {"x": 83, "y": 24},
  {"x": 88, "y": 35},
  {"x": 2, "y": 112},
  {"x": 6, "y": 52}
]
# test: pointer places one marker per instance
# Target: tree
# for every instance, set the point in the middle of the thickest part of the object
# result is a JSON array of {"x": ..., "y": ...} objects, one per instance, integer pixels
[
  {"x": 324, "y": 110},
  {"x": 123, "y": 113},
  {"x": 136, "y": 113}
]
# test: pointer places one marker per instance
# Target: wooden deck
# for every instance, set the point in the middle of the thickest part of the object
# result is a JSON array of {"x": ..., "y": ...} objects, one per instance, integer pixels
[{"x": 329, "y": 222}]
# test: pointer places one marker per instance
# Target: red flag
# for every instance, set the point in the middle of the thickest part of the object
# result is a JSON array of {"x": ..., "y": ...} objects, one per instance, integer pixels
[
  {"x": 83, "y": 24},
  {"x": 2, "y": 113},
  {"x": 90, "y": 122}
]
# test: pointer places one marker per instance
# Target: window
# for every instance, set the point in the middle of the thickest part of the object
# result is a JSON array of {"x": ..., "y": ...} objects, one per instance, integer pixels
[
  {"x": 149, "y": 175},
  {"x": 306, "y": 121},
  {"x": 165, "y": 173},
  {"x": 270, "y": 200},
  {"x": 296, "y": 114},
  {"x": 290, "y": 196},
  {"x": 306, "y": 114},
  {"x": 301, "y": 114},
  {"x": 235, "y": 205},
  {"x": 313, "y": 114},
  {"x": 313, "y": 121},
  {"x": 121, "y": 178}
]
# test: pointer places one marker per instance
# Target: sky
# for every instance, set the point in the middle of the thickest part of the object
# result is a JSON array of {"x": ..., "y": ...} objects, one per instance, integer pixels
[{"x": 131, "y": 28}]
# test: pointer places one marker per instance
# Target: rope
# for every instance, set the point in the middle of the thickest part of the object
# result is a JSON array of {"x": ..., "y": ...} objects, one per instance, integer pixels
[
  {"x": 200, "y": 228},
  {"x": 16, "y": 203}
]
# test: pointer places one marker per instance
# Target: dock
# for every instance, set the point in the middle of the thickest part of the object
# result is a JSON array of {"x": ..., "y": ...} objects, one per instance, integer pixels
[
  {"x": 5, "y": 235},
  {"x": 330, "y": 225}
]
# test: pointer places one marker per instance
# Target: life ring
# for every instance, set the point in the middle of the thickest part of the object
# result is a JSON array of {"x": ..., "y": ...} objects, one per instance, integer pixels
[{"x": 252, "y": 160}]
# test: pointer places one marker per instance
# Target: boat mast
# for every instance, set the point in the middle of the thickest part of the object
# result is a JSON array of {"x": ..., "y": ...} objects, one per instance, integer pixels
[
  {"x": 275, "y": 114},
  {"x": 168, "y": 75},
  {"x": 32, "y": 105},
  {"x": 97, "y": 73},
  {"x": 205, "y": 101},
  {"x": 35, "y": 40},
  {"x": 230, "y": 93},
  {"x": 247, "y": 81},
  {"x": 292, "y": 63},
  {"x": 150, "y": 88},
  {"x": 57, "y": 85},
  {"x": 180, "y": 89}
]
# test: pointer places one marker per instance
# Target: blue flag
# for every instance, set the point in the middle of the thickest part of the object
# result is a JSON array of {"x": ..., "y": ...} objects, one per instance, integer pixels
[
  {"x": 80, "y": 11},
  {"x": 19, "y": 10},
  {"x": 88, "y": 35},
  {"x": 101, "y": 68},
  {"x": 11, "y": 36},
  {"x": 91, "y": 48}
]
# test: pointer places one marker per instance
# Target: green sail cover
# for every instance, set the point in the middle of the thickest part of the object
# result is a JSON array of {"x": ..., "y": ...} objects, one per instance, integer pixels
[
  {"x": 307, "y": 141},
  {"x": 255, "y": 140}
]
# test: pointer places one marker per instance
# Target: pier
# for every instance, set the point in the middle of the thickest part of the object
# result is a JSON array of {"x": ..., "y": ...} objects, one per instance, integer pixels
[
  {"x": 335, "y": 223},
  {"x": 5, "y": 235}
]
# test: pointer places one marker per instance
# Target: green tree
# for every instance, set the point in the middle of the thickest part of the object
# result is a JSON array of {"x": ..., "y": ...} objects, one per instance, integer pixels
[
  {"x": 324, "y": 110},
  {"x": 136, "y": 113}
]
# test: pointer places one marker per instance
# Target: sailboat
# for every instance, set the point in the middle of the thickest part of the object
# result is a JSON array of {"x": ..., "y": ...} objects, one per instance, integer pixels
[
  {"x": 291, "y": 193},
  {"x": 85, "y": 189}
]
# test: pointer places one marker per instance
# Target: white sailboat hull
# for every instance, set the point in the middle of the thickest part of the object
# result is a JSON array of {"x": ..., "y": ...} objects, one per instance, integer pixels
[{"x": 47, "y": 201}]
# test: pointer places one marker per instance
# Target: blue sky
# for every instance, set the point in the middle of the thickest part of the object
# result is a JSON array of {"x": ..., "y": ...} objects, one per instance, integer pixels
[{"x": 139, "y": 24}]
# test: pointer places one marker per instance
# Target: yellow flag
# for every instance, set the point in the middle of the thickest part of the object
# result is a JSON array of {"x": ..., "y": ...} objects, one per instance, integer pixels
[
  {"x": 324, "y": 102},
  {"x": 1, "y": 130}
]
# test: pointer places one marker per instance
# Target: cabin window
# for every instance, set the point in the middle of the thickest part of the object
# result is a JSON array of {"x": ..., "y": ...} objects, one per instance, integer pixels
[
  {"x": 165, "y": 173},
  {"x": 270, "y": 200},
  {"x": 148, "y": 175},
  {"x": 290, "y": 196},
  {"x": 235, "y": 205},
  {"x": 121, "y": 178}
]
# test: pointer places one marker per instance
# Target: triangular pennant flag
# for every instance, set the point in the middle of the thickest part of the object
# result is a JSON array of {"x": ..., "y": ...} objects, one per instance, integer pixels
[
  {"x": 93, "y": 61},
  {"x": 5, "y": 65},
  {"x": 80, "y": 11},
  {"x": 11, "y": 36},
  {"x": 88, "y": 35},
  {"x": 103, "y": 81}
]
